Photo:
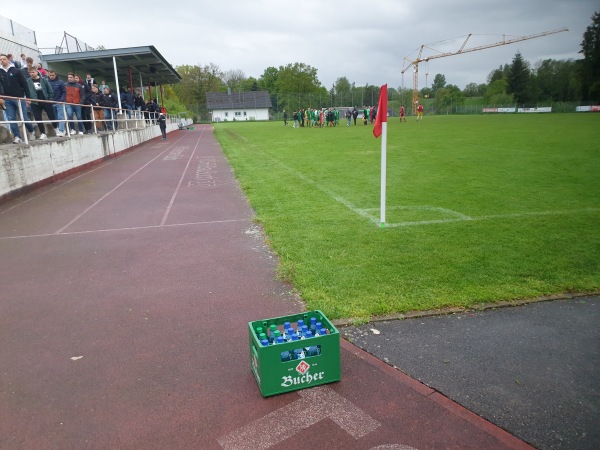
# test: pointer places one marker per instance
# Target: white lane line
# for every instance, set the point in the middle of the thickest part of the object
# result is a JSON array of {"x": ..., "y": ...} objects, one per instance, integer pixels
[
  {"x": 109, "y": 230},
  {"x": 114, "y": 189},
  {"x": 61, "y": 184},
  {"x": 316, "y": 404},
  {"x": 492, "y": 217},
  {"x": 168, "y": 210},
  {"x": 423, "y": 208}
]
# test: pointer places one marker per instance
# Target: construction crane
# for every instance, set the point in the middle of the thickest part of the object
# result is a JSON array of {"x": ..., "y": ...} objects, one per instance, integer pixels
[{"x": 415, "y": 63}]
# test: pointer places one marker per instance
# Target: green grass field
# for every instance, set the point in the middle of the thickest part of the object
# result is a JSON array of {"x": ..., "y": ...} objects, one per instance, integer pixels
[{"x": 479, "y": 209}]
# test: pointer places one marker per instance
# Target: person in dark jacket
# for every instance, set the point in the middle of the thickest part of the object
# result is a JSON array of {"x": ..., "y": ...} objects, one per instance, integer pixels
[
  {"x": 15, "y": 85},
  {"x": 96, "y": 102},
  {"x": 86, "y": 110},
  {"x": 109, "y": 100},
  {"x": 60, "y": 95},
  {"x": 40, "y": 89},
  {"x": 162, "y": 124},
  {"x": 129, "y": 101}
]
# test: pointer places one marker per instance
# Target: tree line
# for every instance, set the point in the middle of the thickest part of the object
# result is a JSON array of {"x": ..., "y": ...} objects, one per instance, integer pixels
[{"x": 296, "y": 85}]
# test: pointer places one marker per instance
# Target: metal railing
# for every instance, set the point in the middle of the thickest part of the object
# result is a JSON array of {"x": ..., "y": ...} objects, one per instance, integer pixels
[{"x": 113, "y": 118}]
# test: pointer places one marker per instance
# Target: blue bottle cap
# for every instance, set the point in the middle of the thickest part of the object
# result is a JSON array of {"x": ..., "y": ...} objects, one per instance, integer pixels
[
  {"x": 280, "y": 339},
  {"x": 313, "y": 320},
  {"x": 323, "y": 331},
  {"x": 295, "y": 337},
  {"x": 304, "y": 329},
  {"x": 300, "y": 323},
  {"x": 264, "y": 343},
  {"x": 286, "y": 325},
  {"x": 308, "y": 334}
]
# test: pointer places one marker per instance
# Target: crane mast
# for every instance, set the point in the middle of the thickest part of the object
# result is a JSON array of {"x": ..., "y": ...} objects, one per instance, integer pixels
[{"x": 415, "y": 63}]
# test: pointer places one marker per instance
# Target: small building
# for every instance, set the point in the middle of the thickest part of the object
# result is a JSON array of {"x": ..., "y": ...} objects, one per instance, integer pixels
[{"x": 239, "y": 106}]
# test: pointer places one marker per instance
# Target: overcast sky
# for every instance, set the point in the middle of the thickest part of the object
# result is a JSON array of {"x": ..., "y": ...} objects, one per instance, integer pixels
[{"x": 366, "y": 42}]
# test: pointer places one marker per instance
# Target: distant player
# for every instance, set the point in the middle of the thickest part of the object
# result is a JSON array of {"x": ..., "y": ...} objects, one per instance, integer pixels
[
  {"x": 419, "y": 112},
  {"x": 402, "y": 118}
]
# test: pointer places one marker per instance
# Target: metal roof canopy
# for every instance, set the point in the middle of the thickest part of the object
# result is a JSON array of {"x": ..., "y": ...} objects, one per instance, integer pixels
[{"x": 144, "y": 61}]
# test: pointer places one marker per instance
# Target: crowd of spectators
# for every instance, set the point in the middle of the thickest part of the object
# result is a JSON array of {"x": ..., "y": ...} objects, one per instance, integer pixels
[{"x": 84, "y": 101}]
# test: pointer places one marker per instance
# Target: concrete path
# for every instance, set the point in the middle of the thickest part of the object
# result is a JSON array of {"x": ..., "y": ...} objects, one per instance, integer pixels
[
  {"x": 125, "y": 293},
  {"x": 533, "y": 370}
]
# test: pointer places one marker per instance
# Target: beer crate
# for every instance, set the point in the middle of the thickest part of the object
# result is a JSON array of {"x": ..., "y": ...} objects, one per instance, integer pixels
[{"x": 275, "y": 376}]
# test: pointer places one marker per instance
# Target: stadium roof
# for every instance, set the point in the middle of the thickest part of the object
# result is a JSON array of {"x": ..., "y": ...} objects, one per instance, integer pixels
[
  {"x": 144, "y": 61},
  {"x": 238, "y": 100}
]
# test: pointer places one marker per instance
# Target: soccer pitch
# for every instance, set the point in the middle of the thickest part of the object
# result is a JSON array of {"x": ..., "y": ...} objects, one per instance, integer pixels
[{"x": 479, "y": 209}]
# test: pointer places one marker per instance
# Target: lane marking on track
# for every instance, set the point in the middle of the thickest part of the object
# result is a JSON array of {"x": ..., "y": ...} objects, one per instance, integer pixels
[
  {"x": 316, "y": 404},
  {"x": 110, "y": 230},
  {"x": 168, "y": 210},
  {"x": 89, "y": 208},
  {"x": 63, "y": 183}
]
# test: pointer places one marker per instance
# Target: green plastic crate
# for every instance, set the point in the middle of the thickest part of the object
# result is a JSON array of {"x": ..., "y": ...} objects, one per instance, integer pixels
[{"x": 275, "y": 376}]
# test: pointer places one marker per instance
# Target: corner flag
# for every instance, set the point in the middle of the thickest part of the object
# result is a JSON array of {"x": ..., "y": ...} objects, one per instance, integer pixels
[
  {"x": 381, "y": 111},
  {"x": 379, "y": 129}
]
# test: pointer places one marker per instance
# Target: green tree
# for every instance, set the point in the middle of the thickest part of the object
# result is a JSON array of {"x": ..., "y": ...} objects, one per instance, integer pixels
[
  {"x": 234, "y": 79},
  {"x": 250, "y": 84},
  {"x": 554, "y": 80},
  {"x": 439, "y": 82},
  {"x": 343, "y": 90},
  {"x": 449, "y": 96},
  {"x": 590, "y": 66},
  {"x": 471, "y": 90},
  {"x": 297, "y": 78},
  {"x": 498, "y": 74},
  {"x": 268, "y": 80},
  {"x": 196, "y": 82},
  {"x": 519, "y": 80},
  {"x": 496, "y": 93}
]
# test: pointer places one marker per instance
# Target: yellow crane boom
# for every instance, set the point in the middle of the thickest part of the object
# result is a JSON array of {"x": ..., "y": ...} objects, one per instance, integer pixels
[{"x": 415, "y": 63}]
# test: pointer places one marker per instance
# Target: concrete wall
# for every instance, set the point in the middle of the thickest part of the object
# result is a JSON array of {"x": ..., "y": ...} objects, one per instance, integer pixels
[{"x": 25, "y": 167}]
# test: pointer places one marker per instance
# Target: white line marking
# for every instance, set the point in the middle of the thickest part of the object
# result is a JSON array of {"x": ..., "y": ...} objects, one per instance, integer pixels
[
  {"x": 63, "y": 183},
  {"x": 316, "y": 404},
  {"x": 168, "y": 210},
  {"x": 108, "y": 230},
  {"x": 422, "y": 208},
  {"x": 492, "y": 217},
  {"x": 113, "y": 190}
]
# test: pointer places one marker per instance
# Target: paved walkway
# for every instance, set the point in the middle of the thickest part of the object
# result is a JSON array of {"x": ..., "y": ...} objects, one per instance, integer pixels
[
  {"x": 125, "y": 296},
  {"x": 534, "y": 370}
]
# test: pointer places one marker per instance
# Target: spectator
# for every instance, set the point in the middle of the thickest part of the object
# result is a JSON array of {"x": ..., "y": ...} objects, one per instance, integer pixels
[
  {"x": 102, "y": 86},
  {"x": 60, "y": 95},
  {"x": 140, "y": 105},
  {"x": 15, "y": 85},
  {"x": 109, "y": 101},
  {"x": 96, "y": 102},
  {"x": 41, "y": 70},
  {"x": 129, "y": 101},
  {"x": 28, "y": 65},
  {"x": 23, "y": 60},
  {"x": 40, "y": 89},
  {"x": 75, "y": 98},
  {"x": 89, "y": 80},
  {"x": 13, "y": 62},
  {"x": 162, "y": 123},
  {"x": 86, "y": 110}
]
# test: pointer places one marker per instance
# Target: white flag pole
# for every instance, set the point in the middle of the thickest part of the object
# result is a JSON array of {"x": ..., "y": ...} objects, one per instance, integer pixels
[{"x": 383, "y": 169}]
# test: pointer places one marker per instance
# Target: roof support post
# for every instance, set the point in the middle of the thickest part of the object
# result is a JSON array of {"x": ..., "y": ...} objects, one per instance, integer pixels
[{"x": 117, "y": 81}]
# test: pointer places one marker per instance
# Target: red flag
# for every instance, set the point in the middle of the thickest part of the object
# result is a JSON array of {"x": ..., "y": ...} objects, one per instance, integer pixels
[{"x": 381, "y": 111}]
